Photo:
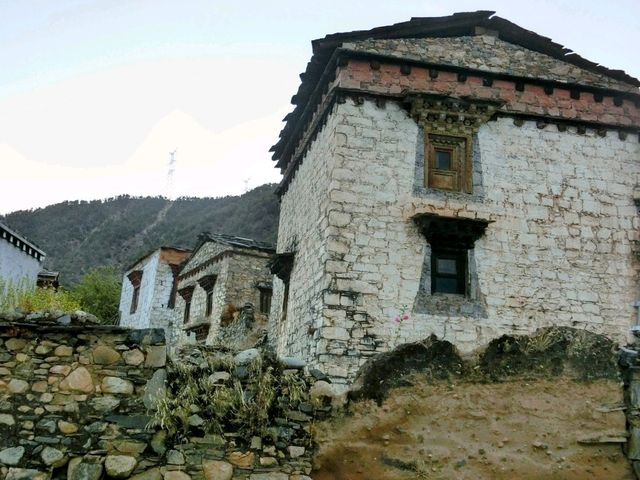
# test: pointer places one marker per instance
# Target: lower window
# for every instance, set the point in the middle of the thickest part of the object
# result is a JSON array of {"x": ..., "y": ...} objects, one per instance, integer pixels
[{"x": 449, "y": 271}]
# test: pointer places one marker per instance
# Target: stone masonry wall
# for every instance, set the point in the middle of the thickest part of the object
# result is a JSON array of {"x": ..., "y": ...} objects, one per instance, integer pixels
[
  {"x": 559, "y": 250},
  {"x": 75, "y": 398},
  {"x": 141, "y": 318},
  {"x": 303, "y": 229},
  {"x": 77, "y": 402}
]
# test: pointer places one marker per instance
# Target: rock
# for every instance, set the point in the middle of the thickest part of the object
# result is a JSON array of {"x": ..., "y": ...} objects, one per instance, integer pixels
[
  {"x": 116, "y": 385},
  {"x": 130, "y": 421},
  {"x": 321, "y": 390},
  {"x": 7, "y": 419},
  {"x": 242, "y": 459},
  {"x": 105, "y": 403},
  {"x": 79, "y": 380},
  {"x": 133, "y": 357},
  {"x": 71, "y": 466},
  {"x": 318, "y": 375},
  {"x": 131, "y": 447},
  {"x": 84, "y": 317},
  {"x": 196, "y": 421},
  {"x": 60, "y": 370},
  {"x": 52, "y": 457},
  {"x": 17, "y": 386},
  {"x": 292, "y": 362},
  {"x": 11, "y": 456},
  {"x": 85, "y": 471},
  {"x": 151, "y": 474},
  {"x": 63, "y": 351},
  {"x": 40, "y": 387},
  {"x": 67, "y": 427},
  {"x": 103, "y": 355},
  {"x": 96, "y": 427},
  {"x": 219, "y": 377},
  {"x": 174, "y": 457},
  {"x": 26, "y": 474},
  {"x": 256, "y": 443},
  {"x": 63, "y": 320},
  {"x": 119, "y": 466},
  {"x": 156, "y": 356},
  {"x": 217, "y": 470},
  {"x": 269, "y": 476},
  {"x": 299, "y": 477},
  {"x": 158, "y": 442},
  {"x": 15, "y": 344},
  {"x": 268, "y": 461},
  {"x": 146, "y": 336},
  {"x": 295, "y": 452},
  {"x": 46, "y": 424},
  {"x": 155, "y": 389},
  {"x": 176, "y": 475},
  {"x": 246, "y": 356}
]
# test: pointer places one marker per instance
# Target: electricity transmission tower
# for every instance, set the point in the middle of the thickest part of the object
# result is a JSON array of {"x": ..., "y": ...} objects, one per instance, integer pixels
[{"x": 172, "y": 169}]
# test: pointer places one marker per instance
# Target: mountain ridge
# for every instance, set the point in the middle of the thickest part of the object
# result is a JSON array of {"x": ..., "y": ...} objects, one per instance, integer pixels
[{"x": 80, "y": 235}]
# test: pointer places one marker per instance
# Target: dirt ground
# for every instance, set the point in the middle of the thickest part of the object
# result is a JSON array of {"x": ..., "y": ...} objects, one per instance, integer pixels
[{"x": 498, "y": 431}]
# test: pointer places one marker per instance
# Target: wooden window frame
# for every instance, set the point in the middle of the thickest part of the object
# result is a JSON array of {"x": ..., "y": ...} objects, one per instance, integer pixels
[
  {"x": 459, "y": 177},
  {"x": 460, "y": 256},
  {"x": 186, "y": 293}
]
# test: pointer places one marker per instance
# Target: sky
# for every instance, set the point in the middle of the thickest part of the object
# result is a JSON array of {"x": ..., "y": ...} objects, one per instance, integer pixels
[{"x": 95, "y": 94}]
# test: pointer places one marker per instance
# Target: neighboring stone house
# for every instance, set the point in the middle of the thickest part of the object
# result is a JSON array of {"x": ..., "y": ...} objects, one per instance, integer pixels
[
  {"x": 462, "y": 175},
  {"x": 148, "y": 291},
  {"x": 20, "y": 259},
  {"x": 223, "y": 274}
]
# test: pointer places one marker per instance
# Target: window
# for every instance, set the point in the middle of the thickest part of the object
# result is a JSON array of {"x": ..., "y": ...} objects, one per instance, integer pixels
[
  {"x": 201, "y": 332},
  {"x": 208, "y": 282},
  {"x": 449, "y": 271},
  {"x": 448, "y": 162},
  {"x": 265, "y": 298},
  {"x": 186, "y": 294},
  {"x": 281, "y": 266},
  {"x": 135, "y": 278},
  {"x": 451, "y": 239}
]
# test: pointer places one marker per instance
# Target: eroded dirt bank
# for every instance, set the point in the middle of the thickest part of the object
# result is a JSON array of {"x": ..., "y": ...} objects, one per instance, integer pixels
[
  {"x": 511, "y": 430},
  {"x": 542, "y": 407}
]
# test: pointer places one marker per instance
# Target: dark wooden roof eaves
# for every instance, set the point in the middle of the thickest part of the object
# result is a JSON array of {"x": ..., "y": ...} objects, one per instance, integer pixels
[{"x": 458, "y": 24}]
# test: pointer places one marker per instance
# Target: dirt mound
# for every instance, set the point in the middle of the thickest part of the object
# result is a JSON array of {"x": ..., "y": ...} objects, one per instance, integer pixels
[
  {"x": 436, "y": 359},
  {"x": 550, "y": 352}
]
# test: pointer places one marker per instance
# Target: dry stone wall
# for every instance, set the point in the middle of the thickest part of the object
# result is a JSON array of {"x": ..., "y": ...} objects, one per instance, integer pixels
[{"x": 77, "y": 401}]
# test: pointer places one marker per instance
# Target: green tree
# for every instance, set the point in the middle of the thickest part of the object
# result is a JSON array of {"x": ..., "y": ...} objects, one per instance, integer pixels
[{"x": 98, "y": 292}]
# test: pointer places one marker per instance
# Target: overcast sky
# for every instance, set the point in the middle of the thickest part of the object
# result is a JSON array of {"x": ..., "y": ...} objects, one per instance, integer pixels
[{"x": 94, "y": 94}]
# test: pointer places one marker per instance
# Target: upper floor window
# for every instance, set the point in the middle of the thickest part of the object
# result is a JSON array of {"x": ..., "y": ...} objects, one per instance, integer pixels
[
  {"x": 448, "y": 162},
  {"x": 135, "y": 278},
  {"x": 186, "y": 294},
  {"x": 208, "y": 283}
]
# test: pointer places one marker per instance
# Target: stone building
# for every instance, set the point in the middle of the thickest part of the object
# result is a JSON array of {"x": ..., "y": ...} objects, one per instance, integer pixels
[
  {"x": 148, "y": 293},
  {"x": 460, "y": 175},
  {"x": 20, "y": 259},
  {"x": 222, "y": 275}
]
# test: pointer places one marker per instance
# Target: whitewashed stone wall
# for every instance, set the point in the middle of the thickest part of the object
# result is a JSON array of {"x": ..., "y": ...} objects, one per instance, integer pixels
[
  {"x": 560, "y": 250},
  {"x": 304, "y": 228},
  {"x": 141, "y": 318},
  {"x": 17, "y": 268}
]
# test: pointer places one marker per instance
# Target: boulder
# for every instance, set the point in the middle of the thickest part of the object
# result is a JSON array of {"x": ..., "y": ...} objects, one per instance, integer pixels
[
  {"x": 217, "y": 470},
  {"x": 119, "y": 466},
  {"x": 11, "y": 456},
  {"x": 246, "y": 356}
]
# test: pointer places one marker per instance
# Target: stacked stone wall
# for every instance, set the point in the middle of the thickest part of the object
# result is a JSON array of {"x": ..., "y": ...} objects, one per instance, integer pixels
[
  {"x": 77, "y": 401},
  {"x": 303, "y": 223}
]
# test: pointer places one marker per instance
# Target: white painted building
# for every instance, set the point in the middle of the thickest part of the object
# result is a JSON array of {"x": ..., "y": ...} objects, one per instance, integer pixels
[
  {"x": 148, "y": 293},
  {"x": 20, "y": 259},
  {"x": 457, "y": 176}
]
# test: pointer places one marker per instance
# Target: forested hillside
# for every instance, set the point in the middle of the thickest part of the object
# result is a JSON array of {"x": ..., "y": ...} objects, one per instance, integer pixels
[{"x": 80, "y": 235}]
